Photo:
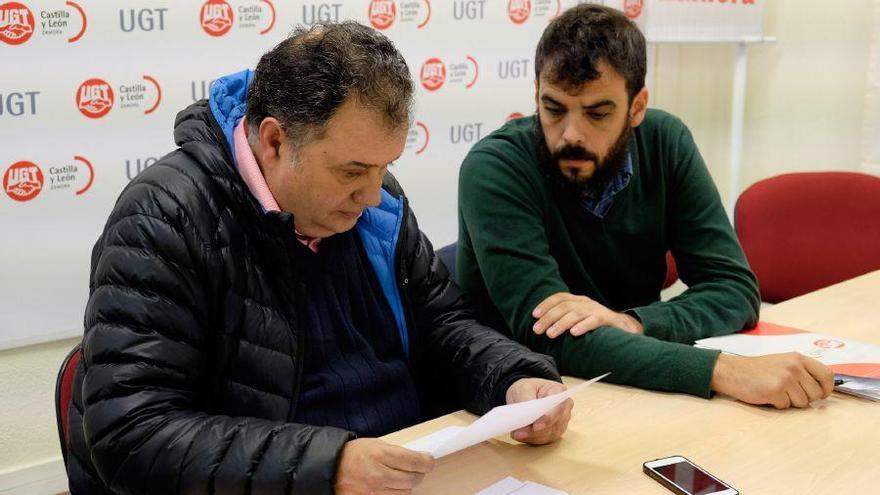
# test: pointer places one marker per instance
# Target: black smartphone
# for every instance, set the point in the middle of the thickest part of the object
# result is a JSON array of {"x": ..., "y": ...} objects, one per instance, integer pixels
[{"x": 683, "y": 477}]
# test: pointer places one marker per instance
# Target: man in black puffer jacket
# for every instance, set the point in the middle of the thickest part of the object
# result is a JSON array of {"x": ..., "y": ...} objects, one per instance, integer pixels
[{"x": 263, "y": 302}]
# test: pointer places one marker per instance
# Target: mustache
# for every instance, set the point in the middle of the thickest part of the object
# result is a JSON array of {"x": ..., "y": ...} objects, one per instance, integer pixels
[{"x": 573, "y": 152}]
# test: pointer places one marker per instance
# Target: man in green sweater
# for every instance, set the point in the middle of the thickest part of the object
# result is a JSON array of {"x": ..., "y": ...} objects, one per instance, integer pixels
[{"x": 565, "y": 219}]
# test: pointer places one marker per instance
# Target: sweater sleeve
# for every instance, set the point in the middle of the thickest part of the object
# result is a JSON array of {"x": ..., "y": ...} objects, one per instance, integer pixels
[
  {"x": 503, "y": 216},
  {"x": 147, "y": 356},
  {"x": 722, "y": 295}
]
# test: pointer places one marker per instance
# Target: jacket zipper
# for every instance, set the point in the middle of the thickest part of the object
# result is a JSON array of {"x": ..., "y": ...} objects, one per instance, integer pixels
[
  {"x": 300, "y": 351},
  {"x": 294, "y": 320},
  {"x": 402, "y": 279}
]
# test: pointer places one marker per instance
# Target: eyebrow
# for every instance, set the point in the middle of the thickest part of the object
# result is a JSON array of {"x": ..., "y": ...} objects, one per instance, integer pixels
[
  {"x": 355, "y": 163},
  {"x": 594, "y": 106}
]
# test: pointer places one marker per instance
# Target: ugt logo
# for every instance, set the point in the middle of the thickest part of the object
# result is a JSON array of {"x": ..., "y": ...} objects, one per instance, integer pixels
[
  {"x": 94, "y": 98},
  {"x": 519, "y": 10},
  {"x": 382, "y": 13},
  {"x": 16, "y": 23},
  {"x": 23, "y": 181},
  {"x": 433, "y": 74},
  {"x": 829, "y": 344},
  {"x": 632, "y": 8},
  {"x": 216, "y": 17}
]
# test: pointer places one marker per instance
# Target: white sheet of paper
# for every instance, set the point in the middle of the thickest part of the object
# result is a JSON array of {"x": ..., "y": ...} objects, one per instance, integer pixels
[
  {"x": 532, "y": 488},
  {"x": 513, "y": 486},
  {"x": 498, "y": 421},
  {"x": 429, "y": 443},
  {"x": 504, "y": 487}
]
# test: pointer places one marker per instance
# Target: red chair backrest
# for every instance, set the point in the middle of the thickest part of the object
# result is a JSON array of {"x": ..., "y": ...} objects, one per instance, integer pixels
[
  {"x": 671, "y": 271},
  {"x": 805, "y": 231},
  {"x": 64, "y": 396}
]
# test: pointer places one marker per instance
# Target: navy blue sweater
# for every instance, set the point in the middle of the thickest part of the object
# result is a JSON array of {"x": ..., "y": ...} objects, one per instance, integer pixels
[{"x": 355, "y": 374}]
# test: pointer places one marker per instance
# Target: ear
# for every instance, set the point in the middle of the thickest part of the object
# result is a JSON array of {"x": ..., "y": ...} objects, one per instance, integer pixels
[
  {"x": 537, "y": 88},
  {"x": 638, "y": 108},
  {"x": 273, "y": 142}
]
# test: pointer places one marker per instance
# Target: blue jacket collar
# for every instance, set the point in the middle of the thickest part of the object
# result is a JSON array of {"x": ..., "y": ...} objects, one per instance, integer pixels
[{"x": 228, "y": 101}]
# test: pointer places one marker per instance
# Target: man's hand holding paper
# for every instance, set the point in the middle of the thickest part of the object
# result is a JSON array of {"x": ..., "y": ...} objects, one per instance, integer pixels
[
  {"x": 551, "y": 425},
  {"x": 530, "y": 403}
]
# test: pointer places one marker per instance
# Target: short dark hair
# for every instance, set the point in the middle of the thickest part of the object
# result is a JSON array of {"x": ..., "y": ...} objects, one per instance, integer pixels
[
  {"x": 583, "y": 36},
  {"x": 304, "y": 79}
]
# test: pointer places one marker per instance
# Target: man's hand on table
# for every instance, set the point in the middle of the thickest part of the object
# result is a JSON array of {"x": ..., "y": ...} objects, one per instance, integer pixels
[
  {"x": 372, "y": 466},
  {"x": 781, "y": 380},
  {"x": 548, "y": 427}
]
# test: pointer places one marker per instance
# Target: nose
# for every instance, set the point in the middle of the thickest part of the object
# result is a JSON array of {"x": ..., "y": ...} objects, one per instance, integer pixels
[
  {"x": 571, "y": 134},
  {"x": 369, "y": 193}
]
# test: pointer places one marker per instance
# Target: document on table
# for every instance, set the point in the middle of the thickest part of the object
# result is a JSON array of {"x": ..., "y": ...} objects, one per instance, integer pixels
[
  {"x": 856, "y": 363},
  {"x": 513, "y": 486},
  {"x": 866, "y": 388},
  {"x": 844, "y": 356},
  {"x": 498, "y": 421}
]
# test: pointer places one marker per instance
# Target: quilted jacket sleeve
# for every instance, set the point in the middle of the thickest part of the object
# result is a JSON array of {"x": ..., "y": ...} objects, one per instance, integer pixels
[{"x": 147, "y": 352}]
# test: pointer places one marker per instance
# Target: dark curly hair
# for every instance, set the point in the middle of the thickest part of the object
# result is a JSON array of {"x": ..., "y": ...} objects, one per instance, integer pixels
[
  {"x": 304, "y": 79},
  {"x": 583, "y": 36}
]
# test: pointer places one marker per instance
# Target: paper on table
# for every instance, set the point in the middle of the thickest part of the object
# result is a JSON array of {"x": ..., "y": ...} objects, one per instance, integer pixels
[
  {"x": 500, "y": 420},
  {"x": 513, "y": 486},
  {"x": 866, "y": 388},
  {"x": 532, "y": 488},
  {"x": 503, "y": 487}
]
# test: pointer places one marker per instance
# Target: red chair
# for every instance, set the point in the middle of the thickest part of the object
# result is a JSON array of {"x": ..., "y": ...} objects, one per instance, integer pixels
[
  {"x": 64, "y": 396},
  {"x": 805, "y": 231},
  {"x": 671, "y": 271}
]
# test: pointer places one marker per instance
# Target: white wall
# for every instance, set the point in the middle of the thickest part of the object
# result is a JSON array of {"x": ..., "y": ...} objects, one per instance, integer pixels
[
  {"x": 805, "y": 96},
  {"x": 28, "y": 436},
  {"x": 804, "y": 112}
]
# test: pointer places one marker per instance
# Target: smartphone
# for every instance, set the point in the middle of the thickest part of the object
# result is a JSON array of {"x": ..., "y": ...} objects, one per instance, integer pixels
[{"x": 683, "y": 477}]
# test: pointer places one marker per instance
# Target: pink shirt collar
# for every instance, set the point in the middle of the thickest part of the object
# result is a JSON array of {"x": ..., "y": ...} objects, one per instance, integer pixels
[{"x": 253, "y": 177}]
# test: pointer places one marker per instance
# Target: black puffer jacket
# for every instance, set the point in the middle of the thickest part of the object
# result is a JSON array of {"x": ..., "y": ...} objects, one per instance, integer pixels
[{"x": 192, "y": 353}]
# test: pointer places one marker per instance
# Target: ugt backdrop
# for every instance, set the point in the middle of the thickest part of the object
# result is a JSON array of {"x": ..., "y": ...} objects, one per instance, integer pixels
[{"x": 91, "y": 88}]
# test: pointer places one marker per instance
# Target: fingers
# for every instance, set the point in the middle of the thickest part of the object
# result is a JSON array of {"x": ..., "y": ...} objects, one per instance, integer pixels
[
  {"x": 522, "y": 434},
  {"x": 370, "y": 465},
  {"x": 555, "y": 307},
  {"x": 520, "y": 391},
  {"x": 822, "y": 374},
  {"x": 405, "y": 469},
  {"x": 781, "y": 400},
  {"x": 397, "y": 480},
  {"x": 548, "y": 303},
  {"x": 547, "y": 428},
  {"x": 550, "y": 317},
  {"x": 560, "y": 318},
  {"x": 532, "y": 388},
  {"x": 568, "y": 320},
  {"x": 797, "y": 396},
  {"x": 529, "y": 435},
  {"x": 549, "y": 387},
  {"x": 406, "y": 460},
  {"x": 807, "y": 380},
  {"x": 588, "y": 324},
  {"x": 812, "y": 389},
  {"x": 390, "y": 491},
  {"x": 562, "y": 424}
]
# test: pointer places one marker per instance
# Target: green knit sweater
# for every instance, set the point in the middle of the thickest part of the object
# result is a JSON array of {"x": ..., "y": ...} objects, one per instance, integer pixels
[{"x": 520, "y": 242}]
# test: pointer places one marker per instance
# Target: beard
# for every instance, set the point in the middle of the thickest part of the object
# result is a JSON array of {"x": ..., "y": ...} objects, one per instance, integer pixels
[{"x": 605, "y": 170}]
